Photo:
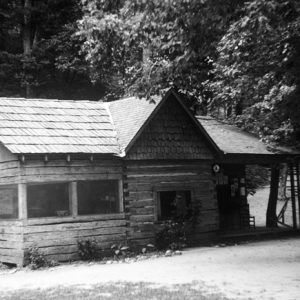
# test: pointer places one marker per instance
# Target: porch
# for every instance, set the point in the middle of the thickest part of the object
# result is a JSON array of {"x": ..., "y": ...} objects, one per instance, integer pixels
[{"x": 246, "y": 217}]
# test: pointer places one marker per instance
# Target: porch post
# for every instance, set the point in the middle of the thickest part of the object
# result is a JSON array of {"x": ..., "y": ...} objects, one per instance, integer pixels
[
  {"x": 293, "y": 196},
  {"x": 22, "y": 201},
  {"x": 73, "y": 199}
]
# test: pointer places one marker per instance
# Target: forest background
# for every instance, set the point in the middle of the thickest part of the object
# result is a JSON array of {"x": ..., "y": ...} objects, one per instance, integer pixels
[{"x": 234, "y": 59}]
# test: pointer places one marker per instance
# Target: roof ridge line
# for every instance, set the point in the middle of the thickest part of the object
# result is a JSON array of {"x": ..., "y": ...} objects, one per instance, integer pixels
[{"x": 121, "y": 151}]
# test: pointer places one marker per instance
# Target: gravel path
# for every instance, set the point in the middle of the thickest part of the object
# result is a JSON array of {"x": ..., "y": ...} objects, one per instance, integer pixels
[{"x": 262, "y": 270}]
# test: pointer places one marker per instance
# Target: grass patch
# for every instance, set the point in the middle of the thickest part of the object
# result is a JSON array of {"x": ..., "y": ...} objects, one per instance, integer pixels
[{"x": 120, "y": 290}]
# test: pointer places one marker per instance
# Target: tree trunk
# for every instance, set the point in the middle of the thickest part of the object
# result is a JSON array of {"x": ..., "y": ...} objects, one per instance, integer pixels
[
  {"x": 282, "y": 182},
  {"x": 271, "y": 220},
  {"x": 27, "y": 43}
]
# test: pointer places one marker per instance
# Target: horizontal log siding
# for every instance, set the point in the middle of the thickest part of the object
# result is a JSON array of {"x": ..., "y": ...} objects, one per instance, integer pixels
[
  {"x": 58, "y": 239},
  {"x": 11, "y": 235},
  {"x": 60, "y": 170},
  {"x": 11, "y": 241},
  {"x": 9, "y": 172},
  {"x": 142, "y": 181}
]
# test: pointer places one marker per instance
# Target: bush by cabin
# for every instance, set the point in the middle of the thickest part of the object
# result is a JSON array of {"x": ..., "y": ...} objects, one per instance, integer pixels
[{"x": 75, "y": 170}]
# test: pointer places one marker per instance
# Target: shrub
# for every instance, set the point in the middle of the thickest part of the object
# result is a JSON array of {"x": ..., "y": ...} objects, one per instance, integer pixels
[
  {"x": 88, "y": 250},
  {"x": 3, "y": 266},
  {"x": 171, "y": 236},
  {"x": 35, "y": 259},
  {"x": 173, "y": 233}
]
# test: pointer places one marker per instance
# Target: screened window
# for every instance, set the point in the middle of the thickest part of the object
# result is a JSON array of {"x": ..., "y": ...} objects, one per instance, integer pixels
[
  {"x": 98, "y": 197},
  {"x": 48, "y": 200},
  {"x": 9, "y": 202},
  {"x": 174, "y": 205}
]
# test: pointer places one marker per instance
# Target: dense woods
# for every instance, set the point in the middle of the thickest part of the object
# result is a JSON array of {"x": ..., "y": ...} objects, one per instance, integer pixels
[{"x": 239, "y": 59}]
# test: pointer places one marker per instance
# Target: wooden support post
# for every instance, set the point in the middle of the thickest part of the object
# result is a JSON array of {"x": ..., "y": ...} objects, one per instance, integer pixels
[
  {"x": 22, "y": 201},
  {"x": 293, "y": 196},
  {"x": 298, "y": 189},
  {"x": 73, "y": 200},
  {"x": 271, "y": 217}
]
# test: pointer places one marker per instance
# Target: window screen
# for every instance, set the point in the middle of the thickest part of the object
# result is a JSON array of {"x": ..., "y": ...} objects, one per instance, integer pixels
[
  {"x": 48, "y": 200},
  {"x": 174, "y": 205},
  {"x": 98, "y": 197},
  {"x": 9, "y": 202}
]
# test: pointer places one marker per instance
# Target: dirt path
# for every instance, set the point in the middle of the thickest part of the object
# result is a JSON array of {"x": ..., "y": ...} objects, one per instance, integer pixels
[{"x": 263, "y": 270}]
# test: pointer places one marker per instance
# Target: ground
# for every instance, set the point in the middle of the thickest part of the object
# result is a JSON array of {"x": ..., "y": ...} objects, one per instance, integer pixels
[
  {"x": 260, "y": 270},
  {"x": 258, "y": 204}
]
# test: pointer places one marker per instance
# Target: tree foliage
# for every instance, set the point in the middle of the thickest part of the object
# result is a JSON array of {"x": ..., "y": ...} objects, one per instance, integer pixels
[
  {"x": 144, "y": 47},
  {"x": 240, "y": 59},
  {"x": 256, "y": 75},
  {"x": 39, "y": 53}
]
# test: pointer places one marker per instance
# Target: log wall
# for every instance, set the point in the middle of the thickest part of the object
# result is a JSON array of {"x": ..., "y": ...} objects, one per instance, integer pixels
[
  {"x": 11, "y": 237},
  {"x": 9, "y": 167},
  {"x": 60, "y": 170},
  {"x": 57, "y": 237},
  {"x": 11, "y": 241},
  {"x": 143, "y": 180}
]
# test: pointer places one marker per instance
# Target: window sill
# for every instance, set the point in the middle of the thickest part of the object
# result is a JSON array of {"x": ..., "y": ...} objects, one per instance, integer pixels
[{"x": 72, "y": 219}]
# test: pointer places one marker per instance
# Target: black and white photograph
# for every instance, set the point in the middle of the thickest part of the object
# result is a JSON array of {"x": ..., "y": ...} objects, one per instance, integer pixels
[{"x": 150, "y": 149}]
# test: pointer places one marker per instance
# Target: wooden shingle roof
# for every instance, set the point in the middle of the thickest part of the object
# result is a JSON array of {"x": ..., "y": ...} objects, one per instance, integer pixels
[
  {"x": 66, "y": 126},
  {"x": 231, "y": 139},
  {"x": 52, "y": 126},
  {"x": 129, "y": 115}
]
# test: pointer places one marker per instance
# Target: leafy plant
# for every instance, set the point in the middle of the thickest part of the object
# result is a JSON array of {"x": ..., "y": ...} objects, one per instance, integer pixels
[
  {"x": 35, "y": 259},
  {"x": 171, "y": 236},
  {"x": 88, "y": 250},
  {"x": 121, "y": 251}
]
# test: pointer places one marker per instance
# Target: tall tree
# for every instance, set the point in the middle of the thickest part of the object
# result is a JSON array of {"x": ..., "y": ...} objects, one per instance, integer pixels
[
  {"x": 39, "y": 52},
  {"x": 148, "y": 46},
  {"x": 255, "y": 78}
]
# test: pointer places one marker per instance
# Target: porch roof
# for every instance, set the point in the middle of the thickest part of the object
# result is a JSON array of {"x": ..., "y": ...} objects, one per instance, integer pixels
[{"x": 231, "y": 139}]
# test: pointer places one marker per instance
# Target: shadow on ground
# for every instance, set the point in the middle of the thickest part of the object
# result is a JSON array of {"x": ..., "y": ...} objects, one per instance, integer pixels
[{"x": 120, "y": 290}]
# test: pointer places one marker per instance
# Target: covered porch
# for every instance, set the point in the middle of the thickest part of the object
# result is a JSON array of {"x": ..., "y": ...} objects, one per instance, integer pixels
[
  {"x": 273, "y": 210},
  {"x": 238, "y": 149}
]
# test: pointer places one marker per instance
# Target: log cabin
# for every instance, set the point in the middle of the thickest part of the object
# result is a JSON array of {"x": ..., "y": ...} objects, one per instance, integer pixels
[{"x": 77, "y": 170}]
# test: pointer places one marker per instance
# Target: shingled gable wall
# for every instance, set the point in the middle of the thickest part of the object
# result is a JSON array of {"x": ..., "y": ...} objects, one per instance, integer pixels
[
  {"x": 170, "y": 154},
  {"x": 170, "y": 135}
]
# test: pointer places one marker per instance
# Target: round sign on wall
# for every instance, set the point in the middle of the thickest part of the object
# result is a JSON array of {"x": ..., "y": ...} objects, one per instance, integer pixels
[{"x": 216, "y": 168}]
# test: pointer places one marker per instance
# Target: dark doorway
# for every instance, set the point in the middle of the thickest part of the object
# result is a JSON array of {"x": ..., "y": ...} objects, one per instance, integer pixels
[
  {"x": 231, "y": 195},
  {"x": 229, "y": 208},
  {"x": 173, "y": 204}
]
